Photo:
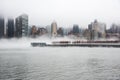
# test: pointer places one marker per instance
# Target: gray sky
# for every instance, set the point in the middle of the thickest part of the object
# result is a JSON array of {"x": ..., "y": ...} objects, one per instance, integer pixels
[{"x": 64, "y": 12}]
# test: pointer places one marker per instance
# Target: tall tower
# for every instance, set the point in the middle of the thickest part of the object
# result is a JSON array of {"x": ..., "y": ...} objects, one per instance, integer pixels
[
  {"x": 98, "y": 30},
  {"x": 75, "y": 29},
  {"x": 10, "y": 29},
  {"x": 22, "y": 26},
  {"x": 2, "y": 27},
  {"x": 54, "y": 29}
]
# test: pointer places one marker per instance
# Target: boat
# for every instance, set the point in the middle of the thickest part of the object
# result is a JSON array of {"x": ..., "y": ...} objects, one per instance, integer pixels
[
  {"x": 115, "y": 43},
  {"x": 36, "y": 44}
]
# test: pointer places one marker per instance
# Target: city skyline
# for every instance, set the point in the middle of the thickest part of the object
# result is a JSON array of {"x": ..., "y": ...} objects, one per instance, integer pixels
[
  {"x": 65, "y": 13},
  {"x": 19, "y": 27}
]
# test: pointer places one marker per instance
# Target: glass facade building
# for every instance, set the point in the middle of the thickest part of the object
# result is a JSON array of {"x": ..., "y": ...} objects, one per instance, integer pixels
[
  {"x": 2, "y": 27},
  {"x": 10, "y": 29},
  {"x": 22, "y": 26}
]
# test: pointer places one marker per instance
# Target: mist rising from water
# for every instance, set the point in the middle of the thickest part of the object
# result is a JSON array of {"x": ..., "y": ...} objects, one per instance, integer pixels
[{"x": 25, "y": 42}]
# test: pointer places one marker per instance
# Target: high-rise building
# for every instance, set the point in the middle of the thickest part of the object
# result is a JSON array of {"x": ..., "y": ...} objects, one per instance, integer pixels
[
  {"x": 41, "y": 31},
  {"x": 60, "y": 32},
  {"x": 33, "y": 31},
  {"x": 10, "y": 28},
  {"x": 22, "y": 26},
  {"x": 18, "y": 28},
  {"x": 48, "y": 28},
  {"x": 2, "y": 27},
  {"x": 54, "y": 29},
  {"x": 98, "y": 30},
  {"x": 29, "y": 30},
  {"x": 87, "y": 34},
  {"x": 115, "y": 28},
  {"x": 113, "y": 31},
  {"x": 68, "y": 31},
  {"x": 76, "y": 29},
  {"x": 65, "y": 31}
]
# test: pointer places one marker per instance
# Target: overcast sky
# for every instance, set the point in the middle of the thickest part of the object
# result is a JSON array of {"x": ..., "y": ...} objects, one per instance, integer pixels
[{"x": 64, "y": 12}]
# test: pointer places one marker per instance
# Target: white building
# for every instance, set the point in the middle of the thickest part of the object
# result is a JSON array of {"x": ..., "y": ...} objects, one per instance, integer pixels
[
  {"x": 54, "y": 29},
  {"x": 98, "y": 29}
]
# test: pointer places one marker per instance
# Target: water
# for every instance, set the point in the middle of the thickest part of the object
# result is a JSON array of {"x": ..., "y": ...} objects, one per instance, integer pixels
[{"x": 68, "y": 63}]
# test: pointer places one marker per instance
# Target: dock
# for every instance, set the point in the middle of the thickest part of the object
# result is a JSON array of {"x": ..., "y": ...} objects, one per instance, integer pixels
[{"x": 76, "y": 45}]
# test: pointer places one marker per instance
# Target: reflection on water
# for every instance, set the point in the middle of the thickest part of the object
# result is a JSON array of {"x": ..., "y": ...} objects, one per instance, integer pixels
[{"x": 60, "y": 64}]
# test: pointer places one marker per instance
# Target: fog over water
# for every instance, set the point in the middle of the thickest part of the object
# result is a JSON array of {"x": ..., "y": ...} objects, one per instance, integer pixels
[{"x": 26, "y": 42}]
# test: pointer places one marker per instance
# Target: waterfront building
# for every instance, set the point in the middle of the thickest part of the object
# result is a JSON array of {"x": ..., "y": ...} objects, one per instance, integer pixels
[
  {"x": 76, "y": 30},
  {"x": 114, "y": 31},
  {"x": 97, "y": 29},
  {"x": 10, "y": 28},
  {"x": 48, "y": 28},
  {"x": 22, "y": 26},
  {"x": 41, "y": 31},
  {"x": 60, "y": 32},
  {"x": 2, "y": 27},
  {"x": 33, "y": 31},
  {"x": 87, "y": 34},
  {"x": 115, "y": 28},
  {"x": 54, "y": 29},
  {"x": 29, "y": 30},
  {"x": 65, "y": 32}
]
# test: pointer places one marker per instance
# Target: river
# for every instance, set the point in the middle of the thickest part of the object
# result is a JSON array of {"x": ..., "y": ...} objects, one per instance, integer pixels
[{"x": 56, "y": 63}]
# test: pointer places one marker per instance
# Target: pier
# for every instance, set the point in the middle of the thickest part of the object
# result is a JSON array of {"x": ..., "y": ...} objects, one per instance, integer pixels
[{"x": 76, "y": 44}]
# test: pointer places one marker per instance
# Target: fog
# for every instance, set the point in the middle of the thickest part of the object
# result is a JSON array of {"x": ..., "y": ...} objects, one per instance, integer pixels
[
  {"x": 64, "y": 12},
  {"x": 24, "y": 42},
  {"x": 19, "y": 43}
]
